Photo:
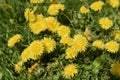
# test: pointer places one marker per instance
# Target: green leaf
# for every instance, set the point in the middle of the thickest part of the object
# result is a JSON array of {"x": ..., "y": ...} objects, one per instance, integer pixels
[{"x": 1, "y": 75}]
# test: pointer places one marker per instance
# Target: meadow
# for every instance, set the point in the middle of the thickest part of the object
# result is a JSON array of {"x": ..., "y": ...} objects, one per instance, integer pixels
[{"x": 59, "y": 39}]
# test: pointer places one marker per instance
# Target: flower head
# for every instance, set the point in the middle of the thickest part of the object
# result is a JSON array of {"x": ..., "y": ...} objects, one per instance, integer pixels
[
  {"x": 14, "y": 39},
  {"x": 39, "y": 17},
  {"x": 26, "y": 13},
  {"x": 32, "y": 16},
  {"x": 36, "y": 1},
  {"x": 36, "y": 49},
  {"x": 97, "y": 5},
  {"x": 115, "y": 69},
  {"x": 114, "y": 3},
  {"x": 63, "y": 31},
  {"x": 116, "y": 34},
  {"x": 71, "y": 53},
  {"x": 49, "y": 44},
  {"x": 84, "y": 10},
  {"x": 79, "y": 43},
  {"x": 18, "y": 66},
  {"x": 70, "y": 70},
  {"x": 54, "y": 8},
  {"x": 52, "y": 24},
  {"x": 38, "y": 26},
  {"x": 29, "y": 15},
  {"x": 99, "y": 44},
  {"x": 66, "y": 40},
  {"x": 25, "y": 55},
  {"x": 105, "y": 23},
  {"x": 112, "y": 46}
]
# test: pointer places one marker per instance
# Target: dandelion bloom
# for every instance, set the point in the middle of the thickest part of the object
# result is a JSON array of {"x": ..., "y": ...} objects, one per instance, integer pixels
[
  {"x": 14, "y": 39},
  {"x": 112, "y": 46},
  {"x": 38, "y": 26},
  {"x": 26, "y": 13},
  {"x": 116, "y": 34},
  {"x": 36, "y": 49},
  {"x": 18, "y": 66},
  {"x": 36, "y": 1},
  {"x": 97, "y": 6},
  {"x": 32, "y": 16},
  {"x": 70, "y": 70},
  {"x": 25, "y": 55},
  {"x": 99, "y": 44},
  {"x": 84, "y": 10},
  {"x": 49, "y": 44},
  {"x": 39, "y": 17},
  {"x": 71, "y": 53},
  {"x": 29, "y": 15},
  {"x": 105, "y": 23},
  {"x": 54, "y": 9},
  {"x": 79, "y": 43},
  {"x": 115, "y": 69},
  {"x": 63, "y": 31},
  {"x": 114, "y": 3},
  {"x": 66, "y": 40},
  {"x": 52, "y": 24}
]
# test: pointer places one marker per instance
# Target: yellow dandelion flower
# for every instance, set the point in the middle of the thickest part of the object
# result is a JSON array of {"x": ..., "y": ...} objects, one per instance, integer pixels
[
  {"x": 14, "y": 39},
  {"x": 36, "y": 1},
  {"x": 66, "y": 40},
  {"x": 29, "y": 15},
  {"x": 112, "y": 46},
  {"x": 49, "y": 44},
  {"x": 84, "y": 10},
  {"x": 54, "y": 9},
  {"x": 114, "y": 3},
  {"x": 63, "y": 31},
  {"x": 71, "y": 53},
  {"x": 30, "y": 24},
  {"x": 38, "y": 26},
  {"x": 36, "y": 49},
  {"x": 52, "y": 24},
  {"x": 99, "y": 44},
  {"x": 79, "y": 42},
  {"x": 115, "y": 69},
  {"x": 116, "y": 34},
  {"x": 26, "y": 13},
  {"x": 97, "y": 6},
  {"x": 18, "y": 66},
  {"x": 70, "y": 70},
  {"x": 105, "y": 23},
  {"x": 25, "y": 55},
  {"x": 39, "y": 17}
]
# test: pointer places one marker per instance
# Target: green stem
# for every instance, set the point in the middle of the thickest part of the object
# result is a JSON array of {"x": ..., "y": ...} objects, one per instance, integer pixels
[
  {"x": 69, "y": 20},
  {"x": 9, "y": 60}
]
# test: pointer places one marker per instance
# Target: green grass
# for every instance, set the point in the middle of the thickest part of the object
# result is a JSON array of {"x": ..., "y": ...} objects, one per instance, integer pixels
[{"x": 12, "y": 21}]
